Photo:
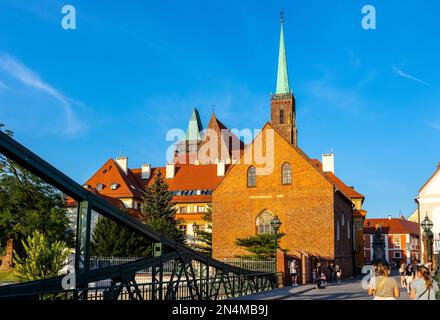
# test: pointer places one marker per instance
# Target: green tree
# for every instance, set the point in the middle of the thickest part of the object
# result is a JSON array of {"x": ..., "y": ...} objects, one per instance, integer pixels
[
  {"x": 43, "y": 259},
  {"x": 111, "y": 239},
  {"x": 28, "y": 203},
  {"x": 159, "y": 212},
  {"x": 261, "y": 246},
  {"x": 205, "y": 236}
]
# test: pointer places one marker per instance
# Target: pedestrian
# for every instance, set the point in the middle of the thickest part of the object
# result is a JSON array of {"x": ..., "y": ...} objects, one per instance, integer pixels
[
  {"x": 429, "y": 265},
  {"x": 402, "y": 271},
  {"x": 423, "y": 287},
  {"x": 294, "y": 272},
  {"x": 338, "y": 271},
  {"x": 331, "y": 269},
  {"x": 409, "y": 275},
  {"x": 316, "y": 273},
  {"x": 384, "y": 287}
]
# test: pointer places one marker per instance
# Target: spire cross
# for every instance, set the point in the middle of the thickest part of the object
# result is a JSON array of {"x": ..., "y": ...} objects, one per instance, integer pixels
[{"x": 282, "y": 15}]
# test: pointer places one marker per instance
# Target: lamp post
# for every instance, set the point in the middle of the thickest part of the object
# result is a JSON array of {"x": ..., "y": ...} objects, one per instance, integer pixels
[
  {"x": 428, "y": 235},
  {"x": 276, "y": 224},
  {"x": 195, "y": 228}
]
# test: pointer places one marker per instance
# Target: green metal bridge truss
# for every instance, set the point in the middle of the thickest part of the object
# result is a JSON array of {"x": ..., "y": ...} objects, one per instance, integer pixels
[{"x": 195, "y": 276}]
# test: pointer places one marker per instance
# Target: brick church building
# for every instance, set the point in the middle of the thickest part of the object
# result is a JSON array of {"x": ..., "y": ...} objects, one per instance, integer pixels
[
  {"x": 316, "y": 208},
  {"x": 321, "y": 216}
]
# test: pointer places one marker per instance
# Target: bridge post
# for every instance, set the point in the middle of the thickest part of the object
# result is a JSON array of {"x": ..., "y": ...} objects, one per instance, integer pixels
[{"x": 82, "y": 252}]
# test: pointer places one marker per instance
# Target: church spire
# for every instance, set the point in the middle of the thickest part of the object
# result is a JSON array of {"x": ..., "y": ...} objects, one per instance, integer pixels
[{"x": 282, "y": 78}]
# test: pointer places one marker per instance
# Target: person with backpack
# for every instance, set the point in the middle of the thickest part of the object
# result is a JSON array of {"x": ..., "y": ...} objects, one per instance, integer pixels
[
  {"x": 423, "y": 287},
  {"x": 384, "y": 287}
]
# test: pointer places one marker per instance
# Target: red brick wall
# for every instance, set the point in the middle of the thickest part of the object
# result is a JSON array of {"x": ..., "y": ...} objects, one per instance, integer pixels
[{"x": 306, "y": 208}]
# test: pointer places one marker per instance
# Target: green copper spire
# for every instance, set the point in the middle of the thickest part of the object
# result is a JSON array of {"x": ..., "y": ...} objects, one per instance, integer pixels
[
  {"x": 194, "y": 127},
  {"x": 283, "y": 78}
]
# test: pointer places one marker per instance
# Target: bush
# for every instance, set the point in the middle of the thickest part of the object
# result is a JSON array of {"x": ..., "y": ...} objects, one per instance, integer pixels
[{"x": 42, "y": 259}]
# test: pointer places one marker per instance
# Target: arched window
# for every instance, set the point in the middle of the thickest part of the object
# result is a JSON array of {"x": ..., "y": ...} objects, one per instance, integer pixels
[
  {"x": 252, "y": 177},
  {"x": 281, "y": 116},
  {"x": 287, "y": 173},
  {"x": 263, "y": 223}
]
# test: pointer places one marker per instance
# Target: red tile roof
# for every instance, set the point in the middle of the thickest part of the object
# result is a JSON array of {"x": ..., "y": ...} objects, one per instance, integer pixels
[
  {"x": 349, "y": 191},
  {"x": 393, "y": 226},
  {"x": 111, "y": 173},
  {"x": 186, "y": 177}
]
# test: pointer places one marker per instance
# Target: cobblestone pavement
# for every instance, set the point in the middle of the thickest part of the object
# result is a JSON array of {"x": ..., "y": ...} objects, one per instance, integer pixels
[{"x": 347, "y": 290}]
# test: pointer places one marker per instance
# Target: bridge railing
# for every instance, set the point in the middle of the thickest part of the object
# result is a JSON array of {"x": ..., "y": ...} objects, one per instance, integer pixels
[{"x": 191, "y": 271}]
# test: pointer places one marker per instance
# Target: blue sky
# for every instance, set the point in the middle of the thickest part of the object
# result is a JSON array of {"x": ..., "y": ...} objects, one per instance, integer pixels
[{"x": 134, "y": 69}]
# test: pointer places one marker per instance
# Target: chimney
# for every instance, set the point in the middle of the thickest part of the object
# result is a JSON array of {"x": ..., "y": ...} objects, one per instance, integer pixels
[
  {"x": 170, "y": 171},
  {"x": 328, "y": 162},
  {"x": 122, "y": 163},
  {"x": 146, "y": 171},
  {"x": 221, "y": 168}
]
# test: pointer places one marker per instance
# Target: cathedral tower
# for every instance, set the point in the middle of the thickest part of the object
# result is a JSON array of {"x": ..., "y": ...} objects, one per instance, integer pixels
[{"x": 282, "y": 103}]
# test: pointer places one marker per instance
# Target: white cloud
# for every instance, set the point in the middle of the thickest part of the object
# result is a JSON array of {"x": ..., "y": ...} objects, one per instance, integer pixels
[
  {"x": 434, "y": 125},
  {"x": 26, "y": 76},
  {"x": 403, "y": 74}
]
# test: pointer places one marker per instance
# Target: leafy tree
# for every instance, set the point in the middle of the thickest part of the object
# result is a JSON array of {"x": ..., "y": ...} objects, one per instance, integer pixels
[
  {"x": 114, "y": 240},
  {"x": 261, "y": 246},
  {"x": 205, "y": 236},
  {"x": 43, "y": 259},
  {"x": 159, "y": 212},
  {"x": 28, "y": 203}
]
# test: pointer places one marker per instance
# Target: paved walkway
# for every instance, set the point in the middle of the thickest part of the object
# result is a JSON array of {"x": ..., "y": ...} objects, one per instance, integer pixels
[
  {"x": 347, "y": 290},
  {"x": 278, "y": 294},
  {"x": 350, "y": 289}
]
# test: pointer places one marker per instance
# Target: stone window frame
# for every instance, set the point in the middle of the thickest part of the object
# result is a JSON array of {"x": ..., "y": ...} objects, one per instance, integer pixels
[
  {"x": 268, "y": 216},
  {"x": 283, "y": 175}
]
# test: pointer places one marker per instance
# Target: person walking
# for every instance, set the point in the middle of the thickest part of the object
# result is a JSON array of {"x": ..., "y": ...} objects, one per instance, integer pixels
[
  {"x": 423, "y": 287},
  {"x": 338, "y": 271},
  {"x": 294, "y": 272},
  {"x": 402, "y": 271},
  {"x": 331, "y": 269},
  {"x": 409, "y": 275},
  {"x": 384, "y": 287}
]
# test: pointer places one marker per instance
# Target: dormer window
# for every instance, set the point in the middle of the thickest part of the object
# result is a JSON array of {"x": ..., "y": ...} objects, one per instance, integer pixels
[
  {"x": 114, "y": 186},
  {"x": 99, "y": 186}
]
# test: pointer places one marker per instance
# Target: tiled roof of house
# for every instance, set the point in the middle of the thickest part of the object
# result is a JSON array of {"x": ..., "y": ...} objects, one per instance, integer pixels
[
  {"x": 191, "y": 183},
  {"x": 110, "y": 173},
  {"x": 187, "y": 177},
  {"x": 349, "y": 191},
  {"x": 391, "y": 226}
]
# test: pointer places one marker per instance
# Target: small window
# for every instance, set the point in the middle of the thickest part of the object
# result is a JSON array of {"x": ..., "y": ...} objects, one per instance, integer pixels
[
  {"x": 396, "y": 242},
  {"x": 182, "y": 209},
  {"x": 201, "y": 209},
  {"x": 397, "y": 254},
  {"x": 99, "y": 186},
  {"x": 287, "y": 173},
  {"x": 114, "y": 186},
  {"x": 337, "y": 231},
  {"x": 281, "y": 116},
  {"x": 252, "y": 177}
]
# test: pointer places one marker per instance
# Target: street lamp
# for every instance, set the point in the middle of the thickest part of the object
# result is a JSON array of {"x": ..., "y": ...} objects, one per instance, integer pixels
[
  {"x": 195, "y": 228},
  {"x": 428, "y": 235},
  {"x": 276, "y": 224}
]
